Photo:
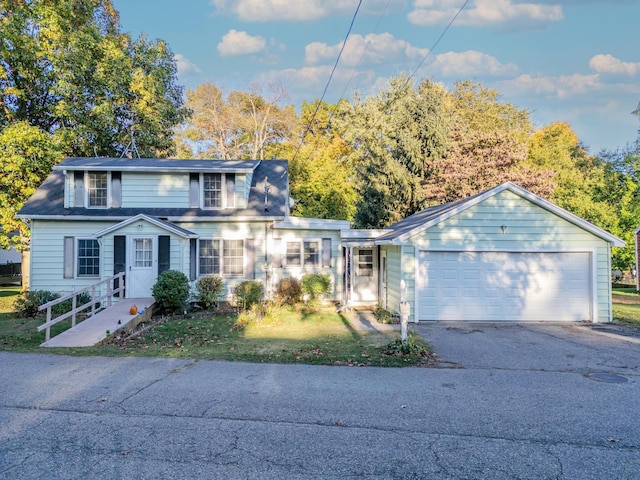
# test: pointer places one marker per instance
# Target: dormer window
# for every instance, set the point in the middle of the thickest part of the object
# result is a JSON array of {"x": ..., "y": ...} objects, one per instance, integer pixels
[
  {"x": 218, "y": 190},
  {"x": 97, "y": 189}
]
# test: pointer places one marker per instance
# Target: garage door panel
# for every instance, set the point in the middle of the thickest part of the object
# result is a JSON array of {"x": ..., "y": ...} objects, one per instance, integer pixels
[{"x": 509, "y": 286}]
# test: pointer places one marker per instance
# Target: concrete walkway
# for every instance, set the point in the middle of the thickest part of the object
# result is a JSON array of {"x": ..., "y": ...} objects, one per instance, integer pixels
[
  {"x": 366, "y": 320},
  {"x": 94, "y": 329}
]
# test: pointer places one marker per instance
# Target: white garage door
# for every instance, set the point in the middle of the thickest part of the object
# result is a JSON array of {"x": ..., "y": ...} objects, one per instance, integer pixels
[{"x": 504, "y": 286}]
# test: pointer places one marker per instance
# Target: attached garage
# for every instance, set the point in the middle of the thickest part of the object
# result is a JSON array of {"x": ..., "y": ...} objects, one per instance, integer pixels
[
  {"x": 504, "y": 255},
  {"x": 505, "y": 286}
]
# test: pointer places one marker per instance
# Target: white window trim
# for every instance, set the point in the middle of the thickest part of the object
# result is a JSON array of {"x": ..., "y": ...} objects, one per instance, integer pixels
[
  {"x": 86, "y": 190},
  {"x": 76, "y": 258},
  {"x": 301, "y": 241},
  {"x": 221, "y": 256},
  {"x": 224, "y": 203}
]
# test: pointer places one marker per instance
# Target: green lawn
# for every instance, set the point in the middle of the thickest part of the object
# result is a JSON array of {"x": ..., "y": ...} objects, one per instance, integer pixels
[
  {"x": 627, "y": 308},
  {"x": 293, "y": 337}
]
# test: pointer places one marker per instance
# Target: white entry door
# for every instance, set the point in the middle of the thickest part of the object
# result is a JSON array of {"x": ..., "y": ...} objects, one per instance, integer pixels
[
  {"x": 365, "y": 275},
  {"x": 142, "y": 268}
]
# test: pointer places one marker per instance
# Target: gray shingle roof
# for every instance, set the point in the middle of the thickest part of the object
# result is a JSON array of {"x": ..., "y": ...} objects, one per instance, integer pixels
[{"x": 48, "y": 200}]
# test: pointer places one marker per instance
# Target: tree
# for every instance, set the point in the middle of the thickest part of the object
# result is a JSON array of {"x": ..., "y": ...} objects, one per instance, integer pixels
[
  {"x": 66, "y": 68},
  {"x": 322, "y": 181},
  {"x": 72, "y": 84},
  {"x": 242, "y": 125},
  {"x": 487, "y": 146},
  {"x": 396, "y": 136},
  {"x": 28, "y": 154}
]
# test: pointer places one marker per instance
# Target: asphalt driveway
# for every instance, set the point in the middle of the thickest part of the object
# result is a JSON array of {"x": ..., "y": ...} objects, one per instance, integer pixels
[{"x": 546, "y": 347}]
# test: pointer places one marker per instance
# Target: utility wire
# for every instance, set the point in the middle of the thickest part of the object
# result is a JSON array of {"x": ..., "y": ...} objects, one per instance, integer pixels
[{"x": 326, "y": 87}]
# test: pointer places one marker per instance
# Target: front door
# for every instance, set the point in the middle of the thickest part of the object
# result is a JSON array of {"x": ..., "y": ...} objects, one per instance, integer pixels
[
  {"x": 365, "y": 275},
  {"x": 142, "y": 268}
]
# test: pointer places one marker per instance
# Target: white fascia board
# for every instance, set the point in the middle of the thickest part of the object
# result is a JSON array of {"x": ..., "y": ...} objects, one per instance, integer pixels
[
  {"x": 362, "y": 233},
  {"x": 154, "y": 221}
]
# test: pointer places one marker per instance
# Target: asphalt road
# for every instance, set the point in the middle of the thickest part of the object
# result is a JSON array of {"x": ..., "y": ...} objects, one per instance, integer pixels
[{"x": 511, "y": 403}]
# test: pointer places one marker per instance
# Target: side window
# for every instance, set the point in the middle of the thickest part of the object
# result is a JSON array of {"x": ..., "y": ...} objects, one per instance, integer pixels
[
  {"x": 311, "y": 253},
  {"x": 293, "y": 254},
  {"x": 88, "y": 261}
]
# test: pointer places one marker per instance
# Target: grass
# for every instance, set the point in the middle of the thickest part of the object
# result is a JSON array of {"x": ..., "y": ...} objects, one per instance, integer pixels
[
  {"x": 289, "y": 337},
  {"x": 626, "y": 309}
]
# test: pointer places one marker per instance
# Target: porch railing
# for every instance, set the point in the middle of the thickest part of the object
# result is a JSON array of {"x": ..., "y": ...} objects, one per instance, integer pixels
[{"x": 96, "y": 298}]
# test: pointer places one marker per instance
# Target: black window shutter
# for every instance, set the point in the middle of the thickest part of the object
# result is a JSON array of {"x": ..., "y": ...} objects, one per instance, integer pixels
[
  {"x": 78, "y": 179},
  {"x": 116, "y": 189},
  {"x": 194, "y": 190},
  {"x": 119, "y": 257},
  {"x": 193, "y": 250},
  {"x": 164, "y": 253},
  {"x": 326, "y": 252}
]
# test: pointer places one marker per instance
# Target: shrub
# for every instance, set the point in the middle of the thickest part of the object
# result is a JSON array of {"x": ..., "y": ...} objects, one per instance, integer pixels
[
  {"x": 316, "y": 285},
  {"x": 412, "y": 346},
  {"x": 288, "y": 291},
  {"x": 27, "y": 303},
  {"x": 64, "y": 307},
  {"x": 209, "y": 290},
  {"x": 382, "y": 315},
  {"x": 259, "y": 315},
  {"x": 249, "y": 293},
  {"x": 171, "y": 291}
]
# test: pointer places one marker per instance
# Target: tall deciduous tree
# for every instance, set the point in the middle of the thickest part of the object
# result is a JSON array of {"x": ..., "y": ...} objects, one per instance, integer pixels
[
  {"x": 322, "y": 180},
  {"x": 27, "y": 154},
  {"x": 67, "y": 71},
  {"x": 242, "y": 125},
  {"x": 487, "y": 146}
]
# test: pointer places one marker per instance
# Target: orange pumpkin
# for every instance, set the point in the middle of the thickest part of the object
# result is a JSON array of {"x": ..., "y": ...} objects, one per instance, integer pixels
[{"x": 133, "y": 310}]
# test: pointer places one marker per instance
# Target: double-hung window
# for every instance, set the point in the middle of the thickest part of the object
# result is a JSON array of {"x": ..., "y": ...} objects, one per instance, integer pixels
[
  {"x": 303, "y": 253},
  {"x": 88, "y": 260},
  {"x": 221, "y": 257},
  {"x": 218, "y": 190},
  {"x": 212, "y": 190},
  {"x": 97, "y": 189}
]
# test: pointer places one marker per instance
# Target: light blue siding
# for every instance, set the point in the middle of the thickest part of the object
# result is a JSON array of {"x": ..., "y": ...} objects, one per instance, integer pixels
[
  {"x": 155, "y": 190},
  {"x": 528, "y": 228}
]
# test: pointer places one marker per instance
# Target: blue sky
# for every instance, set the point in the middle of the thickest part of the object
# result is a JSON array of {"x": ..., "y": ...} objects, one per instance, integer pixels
[{"x": 576, "y": 61}]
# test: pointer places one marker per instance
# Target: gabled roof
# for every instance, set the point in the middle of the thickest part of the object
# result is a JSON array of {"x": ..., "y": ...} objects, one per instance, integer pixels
[
  {"x": 48, "y": 200},
  {"x": 169, "y": 227},
  {"x": 421, "y": 221},
  {"x": 156, "y": 165}
]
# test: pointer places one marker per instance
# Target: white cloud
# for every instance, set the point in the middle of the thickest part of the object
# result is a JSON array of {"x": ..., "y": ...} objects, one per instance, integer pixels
[
  {"x": 610, "y": 64},
  {"x": 503, "y": 13},
  {"x": 470, "y": 64},
  {"x": 302, "y": 10},
  {"x": 185, "y": 66},
  {"x": 236, "y": 43},
  {"x": 267, "y": 10},
  {"x": 365, "y": 50},
  {"x": 563, "y": 86}
]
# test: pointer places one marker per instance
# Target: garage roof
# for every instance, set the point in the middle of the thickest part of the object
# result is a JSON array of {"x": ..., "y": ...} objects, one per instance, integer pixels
[{"x": 424, "y": 219}]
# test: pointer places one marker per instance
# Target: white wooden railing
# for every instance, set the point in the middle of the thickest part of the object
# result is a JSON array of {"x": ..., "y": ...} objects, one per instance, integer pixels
[{"x": 94, "y": 290}]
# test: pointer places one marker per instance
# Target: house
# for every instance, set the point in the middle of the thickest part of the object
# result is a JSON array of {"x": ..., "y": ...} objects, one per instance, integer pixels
[{"x": 502, "y": 255}]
